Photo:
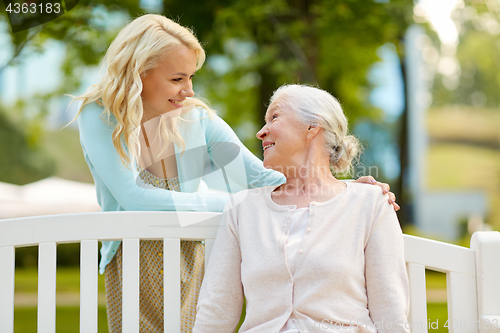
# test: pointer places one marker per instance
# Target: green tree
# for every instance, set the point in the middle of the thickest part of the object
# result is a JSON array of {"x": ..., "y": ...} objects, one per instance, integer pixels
[
  {"x": 324, "y": 42},
  {"x": 478, "y": 54}
]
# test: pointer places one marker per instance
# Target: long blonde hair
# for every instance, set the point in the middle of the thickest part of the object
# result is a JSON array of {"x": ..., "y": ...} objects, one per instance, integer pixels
[{"x": 137, "y": 49}]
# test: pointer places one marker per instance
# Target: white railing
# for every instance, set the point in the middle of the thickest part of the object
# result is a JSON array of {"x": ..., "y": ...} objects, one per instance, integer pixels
[{"x": 472, "y": 275}]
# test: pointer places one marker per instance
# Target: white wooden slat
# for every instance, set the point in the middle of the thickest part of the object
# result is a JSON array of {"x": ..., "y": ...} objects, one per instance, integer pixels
[
  {"x": 88, "y": 286},
  {"x": 439, "y": 256},
  {"x": 490, "y": 324},
  {"x": 418, "y": 298},
  {"x": 209, "y": 244},
  {"x": 487, "y": 249},
  {"x": 130, "y": 292},
  {"x": 71, "y": 228},
  {"x": 47, "y": 253},
  {"x": 462, "y": 303},
  {"x": 172, "y": 284},
  {"x": 7, "y": 260}
]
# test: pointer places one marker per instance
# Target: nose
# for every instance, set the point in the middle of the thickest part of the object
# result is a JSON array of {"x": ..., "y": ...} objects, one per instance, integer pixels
[
  {"x": 261, "y": 135},
  {"x": 188, "y": 89}
]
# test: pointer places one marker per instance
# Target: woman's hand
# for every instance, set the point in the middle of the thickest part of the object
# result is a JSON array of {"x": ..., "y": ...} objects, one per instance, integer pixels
[{"x": 385, "y": 188}]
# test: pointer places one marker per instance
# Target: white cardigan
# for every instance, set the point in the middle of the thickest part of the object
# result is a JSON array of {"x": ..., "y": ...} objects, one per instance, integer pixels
[{"x": 350, "y": 268}]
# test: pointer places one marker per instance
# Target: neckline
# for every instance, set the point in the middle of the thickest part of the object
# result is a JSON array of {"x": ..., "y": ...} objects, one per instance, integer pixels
[
  {"x": 273, "y": 204},
  {"x": 141, "y": 169}
]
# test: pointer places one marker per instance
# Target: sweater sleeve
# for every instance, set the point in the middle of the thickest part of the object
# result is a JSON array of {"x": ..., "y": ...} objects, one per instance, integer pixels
[
  {"x": 385, "y": 271},
  {"x": 106, "y": 167},
  {"x": 224, "y": 147},
  {"x": 221, "y": 296}
]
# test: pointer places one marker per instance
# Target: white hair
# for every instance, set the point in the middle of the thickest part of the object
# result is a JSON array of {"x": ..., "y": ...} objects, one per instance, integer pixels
[{"x": 316, "y": 107}]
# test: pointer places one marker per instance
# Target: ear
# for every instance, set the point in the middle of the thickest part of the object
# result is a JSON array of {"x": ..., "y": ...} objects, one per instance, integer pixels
[{"x": 313, "y": 131}]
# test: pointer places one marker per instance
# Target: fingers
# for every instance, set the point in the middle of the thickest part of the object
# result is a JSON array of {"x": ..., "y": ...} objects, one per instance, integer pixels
[
  {"x": 366, "y": 180},
  {"x": 392, "y": 201},
  {"x": 386, "y": 189}
]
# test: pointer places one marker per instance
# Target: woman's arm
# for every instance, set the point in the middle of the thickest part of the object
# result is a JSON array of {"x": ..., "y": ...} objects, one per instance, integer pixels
[
  {"x": 109, "y": 171},
  {"x": 221, "y": 296},
  {"x": 385, "y": 271},
  {"x": 246, "y": 169}
]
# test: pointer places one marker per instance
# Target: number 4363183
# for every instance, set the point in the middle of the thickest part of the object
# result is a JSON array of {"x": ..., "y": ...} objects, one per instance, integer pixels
[{"x": 33, "y": 8}]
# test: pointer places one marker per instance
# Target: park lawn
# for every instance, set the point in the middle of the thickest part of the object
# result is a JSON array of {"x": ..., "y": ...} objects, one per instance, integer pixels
[
  {"x": 464, "y": 153},
  {"x": 67, "y": 320},
  {"x": 67, "y": 317},
  {"x": 437, "y": 314},
  {"x": 463, "y": 167},
  {"x": 435, "y": 280},
  {"x": 464, "y": 123},
  {"x": 68, "y": 280}
]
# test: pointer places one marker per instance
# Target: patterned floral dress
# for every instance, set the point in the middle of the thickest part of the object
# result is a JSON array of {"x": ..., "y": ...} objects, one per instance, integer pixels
[{"x": 151, "y": 277}]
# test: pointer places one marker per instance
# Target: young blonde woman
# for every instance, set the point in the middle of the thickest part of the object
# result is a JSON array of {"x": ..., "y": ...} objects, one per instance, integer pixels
[{"x": 150, "y": 146}]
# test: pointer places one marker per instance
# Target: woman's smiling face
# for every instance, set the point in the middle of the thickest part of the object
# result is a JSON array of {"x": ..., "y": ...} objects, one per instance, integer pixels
[
  {"x": 166, "y": 86},
  {"x": 283, "y": 137}
]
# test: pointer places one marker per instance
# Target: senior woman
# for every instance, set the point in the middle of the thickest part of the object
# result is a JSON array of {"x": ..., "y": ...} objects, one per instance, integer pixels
[{"x": 314, "y": 254}]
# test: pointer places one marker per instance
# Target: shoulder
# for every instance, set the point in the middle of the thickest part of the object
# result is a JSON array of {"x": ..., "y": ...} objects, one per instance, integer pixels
[
  {"x": 251, "y": 198},
  {"x": 91, "y": 109},
  {"x": 92, "y": 114},
  {"x": 365, "y": 191},
  {"x": 367, "y": 196}
]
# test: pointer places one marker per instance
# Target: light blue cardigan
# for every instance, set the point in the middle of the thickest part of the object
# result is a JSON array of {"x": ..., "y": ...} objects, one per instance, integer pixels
[{"x": 210, "y": 145}]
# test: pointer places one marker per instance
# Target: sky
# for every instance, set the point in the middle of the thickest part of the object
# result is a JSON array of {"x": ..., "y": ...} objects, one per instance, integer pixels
[{"x": 438, "y": 13}]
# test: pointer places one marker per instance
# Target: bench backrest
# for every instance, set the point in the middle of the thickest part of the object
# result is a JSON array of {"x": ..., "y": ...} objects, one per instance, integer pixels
[{"x": 473, "y": 275}]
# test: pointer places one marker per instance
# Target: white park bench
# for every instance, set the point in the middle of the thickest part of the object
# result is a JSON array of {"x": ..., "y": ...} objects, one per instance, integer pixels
[{"x": 472, "y": 275}]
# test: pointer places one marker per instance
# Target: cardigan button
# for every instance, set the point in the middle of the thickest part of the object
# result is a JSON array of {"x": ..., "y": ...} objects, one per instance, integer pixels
[
  {"x": 308, "y": 230},
  {"x": 300, "y": 251}
]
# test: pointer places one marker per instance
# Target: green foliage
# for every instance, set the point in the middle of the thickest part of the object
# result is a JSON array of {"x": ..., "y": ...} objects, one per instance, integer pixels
[
  {"x": 478, "y": 53},
  {"x": 22, "y": 160},
  {"x": 327, "y": 43}
]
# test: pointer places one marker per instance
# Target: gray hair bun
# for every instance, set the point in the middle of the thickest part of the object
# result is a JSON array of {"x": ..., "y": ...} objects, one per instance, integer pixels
[{"x": 342, "y": 154}]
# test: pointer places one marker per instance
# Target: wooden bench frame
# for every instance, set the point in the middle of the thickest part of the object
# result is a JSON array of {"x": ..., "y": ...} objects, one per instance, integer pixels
[{"x": 472, "y": 275}]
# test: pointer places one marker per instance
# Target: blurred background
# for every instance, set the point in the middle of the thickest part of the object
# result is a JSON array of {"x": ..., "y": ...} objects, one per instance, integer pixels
[{"x": 418, "y": 80}]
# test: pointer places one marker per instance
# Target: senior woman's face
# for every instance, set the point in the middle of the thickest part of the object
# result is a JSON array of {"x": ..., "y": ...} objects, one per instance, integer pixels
[
  {"x": 283, "y": 137},
  {"x": 167, "y": 85}
]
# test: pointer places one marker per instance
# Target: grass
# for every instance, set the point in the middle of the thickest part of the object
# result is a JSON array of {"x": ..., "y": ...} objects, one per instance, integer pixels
[
  {"x": 464, "y": 123},
  {"x": 437, "y": 315},
  {"x": 67, "y": 320},
  {"x": 67, "y": 317},
  {"x": 464, "y": 167},
  {"x": 68, "y": 280},
  {"x": 435, "y": 280},
  {"x": 464, "y": 153}
]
